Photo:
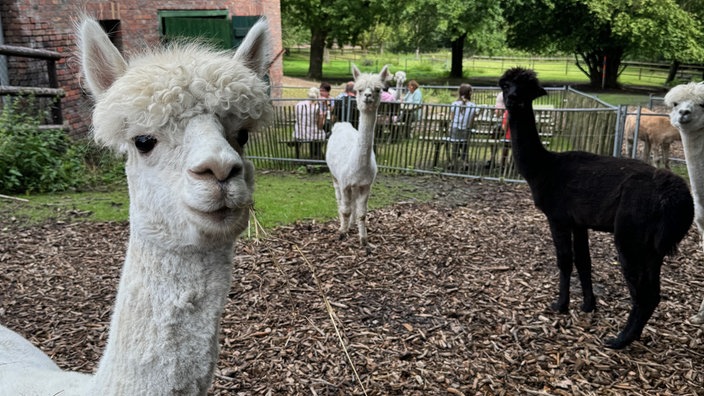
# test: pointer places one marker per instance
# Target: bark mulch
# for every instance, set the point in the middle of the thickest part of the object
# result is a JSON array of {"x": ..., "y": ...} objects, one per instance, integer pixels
[{"x": 452, "y": 300}]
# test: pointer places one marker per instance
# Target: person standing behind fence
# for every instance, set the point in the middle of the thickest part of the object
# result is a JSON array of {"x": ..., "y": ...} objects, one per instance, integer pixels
[
  {"x": 309, "y": 122},
  {"x": 463, "y": 111},
  {"x": 326, "y": 105},
  {"x": 500, "y": 111},
  {"x": 345, "y": 107}
]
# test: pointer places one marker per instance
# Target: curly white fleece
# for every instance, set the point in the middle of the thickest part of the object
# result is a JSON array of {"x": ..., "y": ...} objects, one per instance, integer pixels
[{"x": 163, "y": 88}]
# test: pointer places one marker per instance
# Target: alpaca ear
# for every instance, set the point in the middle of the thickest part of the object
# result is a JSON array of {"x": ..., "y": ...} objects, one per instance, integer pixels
[
  {"x": 384, "y": 73},
  {"x": 101, "y": 61},
  {"x": 255, "y": 50},
  {"x": 541, "y": 92},
  {"x": 355, "y": 71}
]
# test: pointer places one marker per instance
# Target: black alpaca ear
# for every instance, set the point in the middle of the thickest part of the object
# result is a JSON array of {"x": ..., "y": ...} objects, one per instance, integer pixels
[
  {"x": 242, "y": 137},
  {"x": 541, "y": 92}
]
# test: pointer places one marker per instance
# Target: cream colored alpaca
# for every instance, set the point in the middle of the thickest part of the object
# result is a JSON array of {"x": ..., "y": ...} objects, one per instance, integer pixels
[
  {"x": 182, "y": 116},
  {"x": 350, "y": 154},
  {"x": 400, "y": 78},
  {"x": 687, "y": 115}
]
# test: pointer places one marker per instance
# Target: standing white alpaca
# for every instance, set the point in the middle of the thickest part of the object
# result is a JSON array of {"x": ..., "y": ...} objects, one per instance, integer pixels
[
  {"x": 350, "y": 154},
  {"x": 687, "y": 115},
  {"x": 182, "y": 115},
  {"x": 400, "y": 77}
]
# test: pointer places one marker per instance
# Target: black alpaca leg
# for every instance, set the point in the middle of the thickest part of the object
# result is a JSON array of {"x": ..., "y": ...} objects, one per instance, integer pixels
[
  {"x": 562, "y": 238},
  {"x": 643, "y": 278},
  {"x": 583, "y": 262}
]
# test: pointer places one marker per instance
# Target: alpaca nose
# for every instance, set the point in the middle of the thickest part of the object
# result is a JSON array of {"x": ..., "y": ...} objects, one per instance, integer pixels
[
  {"x": 220, "y": 169},
  {"x": 211, "y": 156}
]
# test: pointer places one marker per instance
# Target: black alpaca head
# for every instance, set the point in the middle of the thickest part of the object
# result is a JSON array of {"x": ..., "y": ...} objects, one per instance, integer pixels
[{"x": 520, "y": 87}]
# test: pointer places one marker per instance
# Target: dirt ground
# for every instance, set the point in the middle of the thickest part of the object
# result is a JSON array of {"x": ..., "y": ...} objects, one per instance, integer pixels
[{"x": 452, "y": 300}]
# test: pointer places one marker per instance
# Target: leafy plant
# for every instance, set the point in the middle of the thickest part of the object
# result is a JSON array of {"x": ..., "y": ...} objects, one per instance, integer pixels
[{"x": 35, "y": 159}]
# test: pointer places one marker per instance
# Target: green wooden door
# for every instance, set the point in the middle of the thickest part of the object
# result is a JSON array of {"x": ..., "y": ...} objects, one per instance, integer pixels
[{"x": 214, "y": 30}]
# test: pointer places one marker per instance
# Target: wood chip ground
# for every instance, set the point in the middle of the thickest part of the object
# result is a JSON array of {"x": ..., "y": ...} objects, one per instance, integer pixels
[{"x": 452, "y": 300}]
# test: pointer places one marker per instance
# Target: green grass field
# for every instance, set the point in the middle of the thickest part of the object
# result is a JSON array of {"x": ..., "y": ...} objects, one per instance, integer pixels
[
  {"x": 280, "y": 198},
  {"x": 434, "y": 68}
]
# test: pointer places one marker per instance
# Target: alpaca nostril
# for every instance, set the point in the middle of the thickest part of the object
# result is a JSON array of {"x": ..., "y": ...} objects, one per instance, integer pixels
[
  {"x": 221, "y": 173},
  {"x": 234, "y": 172}
]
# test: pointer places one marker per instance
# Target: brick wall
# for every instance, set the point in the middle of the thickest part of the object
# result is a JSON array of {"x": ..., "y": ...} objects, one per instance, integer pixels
[{"x": 48, "y": 24}]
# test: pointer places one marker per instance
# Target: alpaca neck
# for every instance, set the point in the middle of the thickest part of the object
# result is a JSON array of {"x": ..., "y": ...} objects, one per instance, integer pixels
[
  {"x": 164, "y": 329},
  {"x": 528, "y": 150},
  {"x": 693, "y": 144},
  {"x": 367, "y": 121}
]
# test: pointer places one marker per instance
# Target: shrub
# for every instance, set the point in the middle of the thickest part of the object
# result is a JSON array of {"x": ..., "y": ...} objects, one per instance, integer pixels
[{"x": 34, "y": 159}]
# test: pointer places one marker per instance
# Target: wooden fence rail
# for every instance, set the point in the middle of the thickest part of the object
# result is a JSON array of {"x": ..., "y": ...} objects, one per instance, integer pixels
[{"x": 53, "y": 91}]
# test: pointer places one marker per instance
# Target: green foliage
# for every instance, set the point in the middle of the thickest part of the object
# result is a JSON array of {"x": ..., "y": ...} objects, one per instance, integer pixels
[
  {"x": 104, "y": 166},
  {"x": 606, "y": 31},
  {"x": 32, "y": 159}
]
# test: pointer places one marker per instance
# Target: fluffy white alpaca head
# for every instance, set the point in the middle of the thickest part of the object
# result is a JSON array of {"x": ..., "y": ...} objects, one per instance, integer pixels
[
  {"x": 400, "y": 77},
  {"x": 368, "y": 87},
  {"x": 687, "y": 104},
  {"x": 182, "y": 115}
]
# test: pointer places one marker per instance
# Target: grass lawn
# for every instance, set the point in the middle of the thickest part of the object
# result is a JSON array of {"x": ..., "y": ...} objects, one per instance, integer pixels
[{"x": 280, "y": 198}]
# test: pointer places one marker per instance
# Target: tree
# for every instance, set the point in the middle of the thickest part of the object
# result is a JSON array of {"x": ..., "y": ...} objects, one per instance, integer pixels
[
  {"x": 460, "y": 19},
  {"x": 695, "y": 7},
  {"x": 455, "y": 21},
  {"x": 331, "y": 20},
  {"x": 602, "y": 32}
]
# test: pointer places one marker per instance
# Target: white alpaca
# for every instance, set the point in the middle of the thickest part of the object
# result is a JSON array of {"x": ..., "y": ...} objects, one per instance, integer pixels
[
  {"x": 400, "y": 78},
  {"x": 655, "y": 132},
  {"x": 350, "y": 154},
  {"x": 687, "y": 115},
  {"x": 182, "y": 116}
]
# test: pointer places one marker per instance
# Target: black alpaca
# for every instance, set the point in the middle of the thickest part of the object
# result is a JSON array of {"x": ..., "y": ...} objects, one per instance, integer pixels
[{"x": 648, "y": 210}]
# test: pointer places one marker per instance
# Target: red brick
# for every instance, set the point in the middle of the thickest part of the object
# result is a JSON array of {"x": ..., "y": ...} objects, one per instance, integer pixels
[{"x": 48, "y": 24}]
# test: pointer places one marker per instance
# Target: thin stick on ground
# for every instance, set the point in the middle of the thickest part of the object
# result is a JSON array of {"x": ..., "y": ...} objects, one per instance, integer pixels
[{"x": 332, "y": 315}]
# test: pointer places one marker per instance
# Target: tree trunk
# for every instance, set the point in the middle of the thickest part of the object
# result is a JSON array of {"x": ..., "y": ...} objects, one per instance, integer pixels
[
  {"x": 457, "y": 54},
  {"x": 602, "y": 67},
  {"x": 317, "y": 51},
  {"x": 672, "y": 73}
]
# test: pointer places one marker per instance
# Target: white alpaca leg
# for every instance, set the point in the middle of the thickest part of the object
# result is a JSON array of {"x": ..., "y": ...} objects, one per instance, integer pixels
[
  {"x": 344, "y": 210},
  {"x": 361, "y": 213}
]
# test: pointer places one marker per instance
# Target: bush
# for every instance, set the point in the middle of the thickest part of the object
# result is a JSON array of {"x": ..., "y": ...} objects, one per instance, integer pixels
[
  {"x": 35, "y": 160},
  {"x": 104, "y": 166}
]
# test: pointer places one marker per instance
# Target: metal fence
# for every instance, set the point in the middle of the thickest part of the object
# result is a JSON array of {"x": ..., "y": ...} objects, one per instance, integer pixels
[{"x": 567, "y": 120}]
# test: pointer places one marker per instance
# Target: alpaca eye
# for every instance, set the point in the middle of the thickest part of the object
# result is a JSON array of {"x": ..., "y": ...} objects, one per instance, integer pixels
[
  {"x": 144, "y": 143},
  {"x": 242, "y": 137}
]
